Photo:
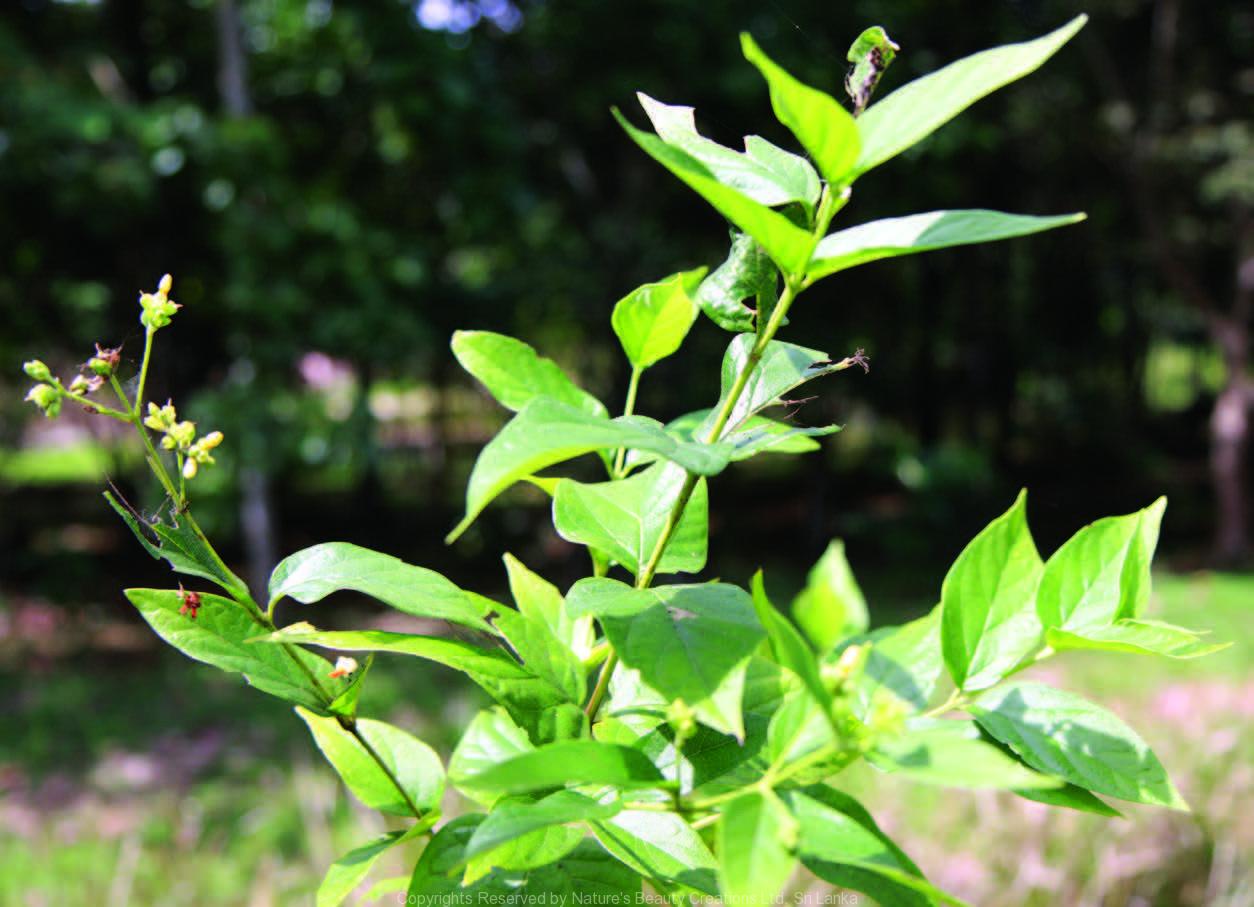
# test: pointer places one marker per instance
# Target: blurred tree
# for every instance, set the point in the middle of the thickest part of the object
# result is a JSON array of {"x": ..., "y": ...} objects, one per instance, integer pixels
[{"x": 358, "y": 180}]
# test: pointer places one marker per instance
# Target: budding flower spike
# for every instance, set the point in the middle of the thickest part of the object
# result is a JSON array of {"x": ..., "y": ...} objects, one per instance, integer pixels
[{"x": 158, "y": 307}]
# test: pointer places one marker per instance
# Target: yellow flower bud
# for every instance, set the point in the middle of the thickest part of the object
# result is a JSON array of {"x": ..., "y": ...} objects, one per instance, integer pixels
[
  {"x": 164, "y": 286},
  {"x": 189, "y": 469}
]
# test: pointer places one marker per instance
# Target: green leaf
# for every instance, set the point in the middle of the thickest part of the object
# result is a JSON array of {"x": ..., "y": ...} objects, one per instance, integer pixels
[
  {"x": 540, "y": 600},
  {"x": 182, "y": 547},
  {"x": 491, "y": 738},
  {"x": 1072, "y": 797},
  {"x": 348, "y": 871},
  {"x": 916, "y": 233},
  {"x": 841, "y": 844},
  {"x": 915, "y": 111},
  {"x": 546, "y": 432},
  {"x": 542, "y": 655},
  {"x": 624, "y": 519},
  {"x": 831, "y": 605},
  {"x": 783, "y": 366},
  {"x": 988, "y": 624},
  {"x": 220, "y": 634},
  {"x": 314, "y": 573},
  {"x": 787, "y": 244},
  {"x": 1138, "y": 637},
  {"x": 757, "y": 841},
  {"x": 756, "y": 435},
  {"x": 515, "y": 374},
  {"x": 787, "y": 644},
  {"x": 386, "y": 768},
  {"x": 764, "y": 173},
  {"x": 904, "y": 662},
  {"x": 1102, "y": 573},
  {"x": 747, "y": 271},
  {"x": 504, "y": 679},
  {"x": 652, "y": 321},
  {"x": 662, "y": 847},
  {"x": 570, "y": 762},
  {"x": 821, "y": 125},
  {"x": 1060, "y": 733},
  {"x": 688, "y": 642},
  {"x": 529, "y": 851},
  {"x": 515, "y": 818},
  {"x": 951, "y": 754}
]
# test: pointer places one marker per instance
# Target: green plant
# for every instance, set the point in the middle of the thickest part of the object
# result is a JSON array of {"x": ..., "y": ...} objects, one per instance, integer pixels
[{"x": 688, "y": 735}]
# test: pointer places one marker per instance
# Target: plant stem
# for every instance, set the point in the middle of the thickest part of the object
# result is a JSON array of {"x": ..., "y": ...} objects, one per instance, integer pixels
[
  {"x": 143, "y": 375},
  {"x": 629, "y": 407},
  {"x": 603, "y": 685}
]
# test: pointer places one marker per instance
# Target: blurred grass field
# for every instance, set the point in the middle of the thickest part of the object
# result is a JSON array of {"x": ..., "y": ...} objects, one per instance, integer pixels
[{"x": 143, "y": 779}]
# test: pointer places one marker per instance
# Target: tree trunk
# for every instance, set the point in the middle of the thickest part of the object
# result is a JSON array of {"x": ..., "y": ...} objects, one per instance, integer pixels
[{"x": 232, "y": 61}]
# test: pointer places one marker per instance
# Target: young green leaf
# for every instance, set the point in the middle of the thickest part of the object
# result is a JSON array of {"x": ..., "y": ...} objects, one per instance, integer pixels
[
  {"x": 515, "y": 374},
  {"x": 542, "y": 655},
  {"x": 1071, "y": 797},
  {"x": 757, "y": 841},
  {"x": 538, "y": 599},
  {"x": 386, "y": 768},
  {"x": 624, "y": 519},
  {"x": 182, "y": 548},
  {"x": 764, "y": 173},
  {"x": 491, "y": 738},
  {"x": 871, "y": 54},
  {"x": 662, "y": 847},
  {"x": 988, "y": 624},
  {"x": 512, "y": 819},
  {"x": 314, "y": 573},
  {"x": 916, "y": 233},
  {"x": 1102, "y": 573},
  {"x": 841, "y": 844},
  {"x": 821, "y": 125},
  {"x": 220, "y": 634},
  {"x": 787, "y": 644},
  {"x": 348, "y": 871},
  {"x": 570, "y": 762},
  {"x": 831, "y": 605},
  {"x": 1139, "y": 637},
  {"x": 1060, "y": 733},
  {"x": 787, "y": 244},
  {"x": 688, "y": 642},
  {"x": 915, "y": 111},
  {"x": 546, "y": 432},
  {"x": 904, "y": 662},
  {"x": 653, "y": 320},
  {"x": 951, "y": 754},
  {"x": 747, "y": 271},
  {"x": 783, "y": 366}
]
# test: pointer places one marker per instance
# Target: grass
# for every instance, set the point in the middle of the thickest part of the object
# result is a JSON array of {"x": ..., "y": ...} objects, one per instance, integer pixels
[{"x": 160, "y": 782}]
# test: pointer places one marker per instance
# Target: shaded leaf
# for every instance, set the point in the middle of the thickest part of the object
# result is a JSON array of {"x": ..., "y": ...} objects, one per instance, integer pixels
[
  {"x": 757, "y": 841},
  {"x": 1065, "y": 735},
  {"x": 747, "y": 271},
  {"x": 538, "y": 599}
]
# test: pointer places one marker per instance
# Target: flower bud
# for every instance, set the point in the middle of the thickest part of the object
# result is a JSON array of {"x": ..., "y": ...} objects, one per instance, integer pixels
[
  {"x": 105, "y": 362},
  {"x": 80, "y": 385},
  {"x": 190, "y": 467},
  {"x": 164, "y": 286},
  {"x": 183, "y": 434},
  {"x": 210, "y": 441},
  {"x": 344, "y": 666},
  {"x": 848, "y": 666},
  {"x": 160, "y": 418},
  {"x": 37, "y": 370},
  {"x": 47, "y": 398}
]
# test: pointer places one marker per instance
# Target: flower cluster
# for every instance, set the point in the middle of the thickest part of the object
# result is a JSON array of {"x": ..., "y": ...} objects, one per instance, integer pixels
[
  {"x": 158, "y": 307},
  {"x": 181, "y": 438},
  {"x": 50, "y": 393}
]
